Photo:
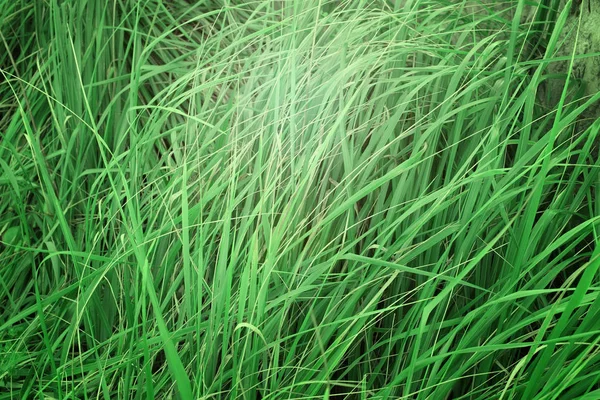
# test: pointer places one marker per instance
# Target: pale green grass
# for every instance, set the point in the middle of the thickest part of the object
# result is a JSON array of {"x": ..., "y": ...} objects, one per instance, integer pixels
[{"x": 300, "y": 199}]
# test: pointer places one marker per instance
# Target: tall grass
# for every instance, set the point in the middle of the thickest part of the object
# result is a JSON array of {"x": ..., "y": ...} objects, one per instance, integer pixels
[{"x": 295, "y": 199}]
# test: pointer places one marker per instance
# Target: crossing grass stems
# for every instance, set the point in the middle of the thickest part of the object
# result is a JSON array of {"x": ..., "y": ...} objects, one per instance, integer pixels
[{"x": 304, "y": 199}]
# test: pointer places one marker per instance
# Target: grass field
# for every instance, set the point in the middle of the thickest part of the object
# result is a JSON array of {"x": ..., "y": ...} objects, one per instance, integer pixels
[{"x": 311, "y": 199}]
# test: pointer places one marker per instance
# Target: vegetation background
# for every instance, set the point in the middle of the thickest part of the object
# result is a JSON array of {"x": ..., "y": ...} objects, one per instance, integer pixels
[{"x": 356, "y": 199}]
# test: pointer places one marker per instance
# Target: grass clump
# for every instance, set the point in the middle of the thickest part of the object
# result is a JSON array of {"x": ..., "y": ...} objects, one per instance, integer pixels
[{"x": 316, "y": 199}]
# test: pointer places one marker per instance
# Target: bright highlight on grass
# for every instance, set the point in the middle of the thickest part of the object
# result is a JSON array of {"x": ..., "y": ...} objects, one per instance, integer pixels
[{"x": 357, "y": 199}]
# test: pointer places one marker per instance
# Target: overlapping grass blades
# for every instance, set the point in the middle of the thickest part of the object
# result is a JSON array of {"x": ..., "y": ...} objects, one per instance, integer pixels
[{"x": 316, "y": 199}]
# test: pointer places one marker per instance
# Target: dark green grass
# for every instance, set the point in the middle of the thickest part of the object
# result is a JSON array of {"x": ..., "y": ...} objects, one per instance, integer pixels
[{"x": 300, "y": 199}]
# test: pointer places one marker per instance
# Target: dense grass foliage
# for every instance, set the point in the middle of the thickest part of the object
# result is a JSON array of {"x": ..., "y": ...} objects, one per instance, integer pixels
[{"x": 295, "y": 199}]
